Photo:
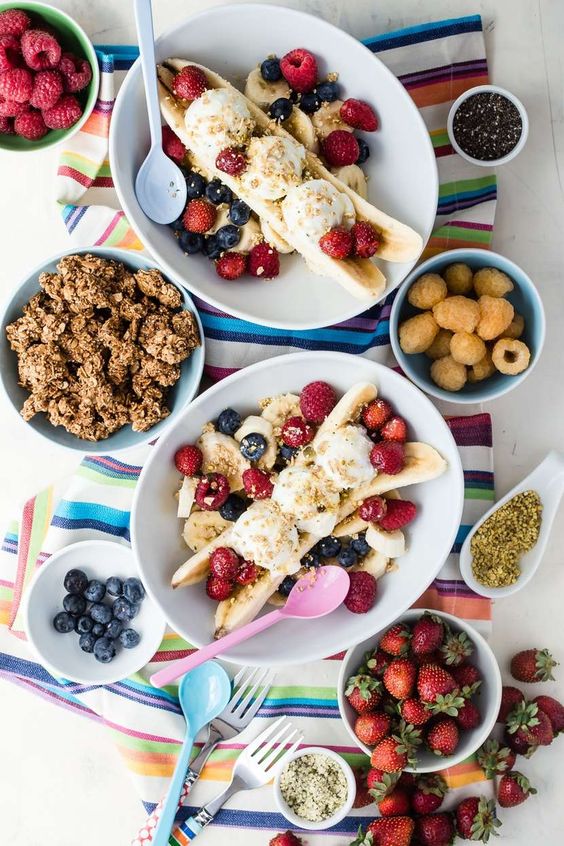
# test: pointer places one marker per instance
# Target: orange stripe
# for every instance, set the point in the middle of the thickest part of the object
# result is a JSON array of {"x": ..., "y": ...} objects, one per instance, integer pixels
[
  {"x": 459, "y": 780},
  {"x": 180, "y": 837},
  {"x": 439, "y": 245},
  {"x": 97, "y": 125},
  {"x": 130, "y": 241},
  {"x": 459, "y": 606},
  {"x": 442, "y": 92}
]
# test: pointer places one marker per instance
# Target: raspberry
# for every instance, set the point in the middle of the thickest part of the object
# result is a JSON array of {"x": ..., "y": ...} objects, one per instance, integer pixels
[
  {"x": 40, "y": 49},
  {"x": 212, "y": 491},
  {"x": 264, "y": 261},
  {"x": 218, "y": 589},
  {"x": 366, "y": 239},
  {"x": 340, "y": 148},
  {"x": 172, "y": 145},
  {"x": 395, "y": 429},
  {"x": 375, "y": 414},
  {"x": 188, "y": 460},
  {"x": 337, "y": 243},
  {"x": 10, "y": 53},
  {"x": 76, "y": 72},
  {"x": 190, "y": 83},
  {"x": 372, "y": 509},
  {"x": 359, "y": 115},
  {"x": 16, "y": 85},
  {"x": 64, "y": 113},
  {"x": 6, "y": 125},
  {"x": 231, "y": 161},
  {"x": 30, "y": 125},
  {"x": 388, "y": 457},
  {"x": 296, "y": 432},
  {"x": 13, "y": 22},
  {"x": 199, "y": 216},
  {"x": 248, "y": 573},
  {"x": 257, "y": 483},
  {"x": 231, "y": 265},
  {"x": 317, "y": 400},
  {"x": 362, "y": 593},
  {"x": 399, "y": 513},
  {"x": 224, "y": 563},
  {"x": 47, "y": 88},
  {"x": 9, "y": 108},
  {"x": 299, "y": 69}
]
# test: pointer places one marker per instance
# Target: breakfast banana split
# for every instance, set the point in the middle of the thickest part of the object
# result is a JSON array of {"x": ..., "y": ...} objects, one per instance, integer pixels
[
  {"x": 294, "y": 175},
  {"x": 308, "y": 479}
]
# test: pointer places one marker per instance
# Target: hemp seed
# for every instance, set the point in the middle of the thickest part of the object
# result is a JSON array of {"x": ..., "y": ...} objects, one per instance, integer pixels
[{"x": 314, "y": 787}]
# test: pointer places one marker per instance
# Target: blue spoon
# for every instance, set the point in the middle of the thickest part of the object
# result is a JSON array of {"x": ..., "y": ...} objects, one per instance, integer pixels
[
  {"x": 203, "y": 694},
  {"x": 160, "y": 186}
]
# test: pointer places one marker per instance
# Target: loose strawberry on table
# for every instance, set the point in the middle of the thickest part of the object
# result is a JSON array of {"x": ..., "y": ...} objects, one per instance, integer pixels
[
  {"x": 429, "y": 793},
  {"x": 533, "y": 665},
  {"x": 510, "y": 697},
  {"x": 396, "y": 803},
  {"x": 434, "y": 829},
  {"x": 514, "y": 788},
  {"x": 553, "y": 709},
  {"x": 476, "y": 819},
  {"x": 494, "y": 758}
]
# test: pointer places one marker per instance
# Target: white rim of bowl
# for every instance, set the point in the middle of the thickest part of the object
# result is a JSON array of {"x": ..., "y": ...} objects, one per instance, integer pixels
[
  {"x": 339, "y": 815},
  {"x": 493, "y": 89}
]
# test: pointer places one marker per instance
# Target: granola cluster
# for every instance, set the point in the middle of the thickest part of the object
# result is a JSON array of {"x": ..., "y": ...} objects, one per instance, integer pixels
[{"x": 99, "y": 346}]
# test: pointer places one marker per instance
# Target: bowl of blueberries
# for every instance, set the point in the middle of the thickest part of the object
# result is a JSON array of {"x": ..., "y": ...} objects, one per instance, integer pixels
[{"x": 87, "y": 615}]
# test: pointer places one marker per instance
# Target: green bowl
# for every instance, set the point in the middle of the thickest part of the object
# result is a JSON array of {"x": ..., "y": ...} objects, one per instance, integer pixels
[{"x": 73, "y": 39}]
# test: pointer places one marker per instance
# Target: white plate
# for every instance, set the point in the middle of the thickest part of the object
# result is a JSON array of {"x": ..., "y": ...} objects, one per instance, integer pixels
[
  {"x": 156, "y": 531},
  {"x": 402, "y": 170},
  {"x": 60, "y": 653}
]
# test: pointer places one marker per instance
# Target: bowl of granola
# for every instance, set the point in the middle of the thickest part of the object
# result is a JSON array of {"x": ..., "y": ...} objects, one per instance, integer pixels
[{"x": 99, "y": 351}]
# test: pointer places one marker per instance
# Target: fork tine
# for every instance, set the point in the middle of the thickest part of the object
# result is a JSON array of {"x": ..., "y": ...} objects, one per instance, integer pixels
[
  {"x": 254, "y": 707},
  {"x": 257, "y": 682},
  {"x": 275, "y": 751},
  {"x": 286, "y": 753},
  {"x": 266, "y": 747},
  {"x": 258, "y": 741},
  {"x": 240, "y": 684}
]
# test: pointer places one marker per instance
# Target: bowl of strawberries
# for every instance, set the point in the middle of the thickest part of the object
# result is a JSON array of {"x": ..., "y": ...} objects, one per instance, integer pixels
[{"x": 422, "y": 695}]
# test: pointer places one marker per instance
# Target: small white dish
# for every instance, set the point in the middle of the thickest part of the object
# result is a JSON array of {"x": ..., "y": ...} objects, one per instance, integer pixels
[
  {"x": 548, "y": 481},
  {"x": 489, "y": 89},
  {"x": 60, "y": 654},
  {"x": 335, "y": 818}
]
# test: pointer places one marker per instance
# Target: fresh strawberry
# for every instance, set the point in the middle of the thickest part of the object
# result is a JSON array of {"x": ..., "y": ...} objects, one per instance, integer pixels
[
  {"x": 467, "y": 675},
  {"x": 399, "y": 678},
  {"x": 231, "y": 161},
  {"x": 359, "y": 115},
  {"x": 434, "y": 681},
  {"x": 340, "y": 148},
  {"x": 218, "y": 589},
  {"x": 395, "y": 803},
  {"x": 372, "y": 509},
  {"x": 362, "y": 592},
  {"x": 413, "y": 711},
  {"x": 224, "y": 563},
  {"x": 513, "y": 789},
  {"x": 231, "y": 265},
  {"x": 199, "y": 216},
  {"x": 377, "y": 662},
  {"x": 395, "y": 429},
  {"x": 530, "y": 725},
  {"x": 362, "y": 795},
  {"x": 396, "y": 640},
  {"x": 188, "y": 460},
  {"x": 398, "y": 514},
  {"x": 510, "y": 697},
  {"x": 468, "y": 716},
  {"x": 533, "y": 665},
  {"x": 337, "y": 243},
  {"x": 388, "y": 457},
  {"x": 375, "y": 414},
  {"x": 429, "y": 793},
  {"x": 288, "y": 838},
  {"x": 394, "y": 753},
  {"x": 428, "y": 633},
  {"x": 407, "y": 781},
  {"x": 381, "y": 784},
  {"x": 434, "y": 829},
  {"x": 495, "y": 759},
  {"x": 317, "y": 401},
  {"x": 476, "y": 819},
  {"x": 247, "y": 574},
  {"x": 392, "y": 831},
  {"x": 212, "y": 491},
  {"x": 553, "y": 709},
  {"x": 13, "y": 22},
  {"x": 299, "y": 69},
  {"x": 372, "y": 728},
  {"x": 296, "y": 432},
  {"x": 190, "y": 83},
  {"x": 264, "y": 261},
  {"x": 520, "y": 743},
  {"x": 443, "y": 736},
  {"x": 257, "y": 483},
  {"x": 457, "y": 647},
  {"x": 366, "y": 239},
  {"x": 432, "y": 658},
  {"x": 363, "y": 693},
  {"x": 172, "y": 145}
]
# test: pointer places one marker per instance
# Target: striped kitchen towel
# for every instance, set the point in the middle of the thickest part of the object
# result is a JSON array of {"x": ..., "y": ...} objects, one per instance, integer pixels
[{"x": 436, "y": 62}]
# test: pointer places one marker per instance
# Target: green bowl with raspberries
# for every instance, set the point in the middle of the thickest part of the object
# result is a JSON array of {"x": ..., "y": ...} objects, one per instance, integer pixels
[{"x": 72, "y": 39}]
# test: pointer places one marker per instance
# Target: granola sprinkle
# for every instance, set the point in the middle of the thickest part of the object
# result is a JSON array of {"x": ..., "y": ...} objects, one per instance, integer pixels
[{"x": 314, "y": 786}]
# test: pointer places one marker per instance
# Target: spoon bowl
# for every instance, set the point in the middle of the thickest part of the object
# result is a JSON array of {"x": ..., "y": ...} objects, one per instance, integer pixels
[
  {"x": 548, "y": 481},
  {"x": 317, "y": 594}
]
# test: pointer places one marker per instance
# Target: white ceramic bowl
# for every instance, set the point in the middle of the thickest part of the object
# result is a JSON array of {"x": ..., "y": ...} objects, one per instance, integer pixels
[
  {"x": 402, "y": 172},
  {"x": 488, "y": 699},
  {"x": 339, "y": 815},
  {"x": 156, "y": 531},
  {"x": 60, "y": 653},
  {"x": 489, "y": 89}
]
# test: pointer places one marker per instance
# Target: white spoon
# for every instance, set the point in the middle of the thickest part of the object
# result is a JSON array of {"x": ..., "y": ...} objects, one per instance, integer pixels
[{"x": 548, "y": 481}]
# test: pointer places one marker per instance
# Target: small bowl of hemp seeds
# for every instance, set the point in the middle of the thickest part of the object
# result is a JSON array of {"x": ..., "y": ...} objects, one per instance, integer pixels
[
  {"x": 487, "y": 125},
  {"x": 316, "y": 789}
]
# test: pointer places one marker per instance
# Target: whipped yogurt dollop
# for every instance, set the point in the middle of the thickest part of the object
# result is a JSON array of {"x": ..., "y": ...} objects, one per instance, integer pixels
[
  {"x": 275, "y": 166},
  {"x": 315, "y": 207},
  {"x": 344, "y": 455},
  {"x": 264, "y": 535},
  {"x": 218, "y": 119},
  {"x": 306, "y": 494}
]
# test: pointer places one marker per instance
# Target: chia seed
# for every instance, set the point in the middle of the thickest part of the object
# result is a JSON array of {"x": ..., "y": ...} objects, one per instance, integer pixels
[{"x": 487, "y": 126}]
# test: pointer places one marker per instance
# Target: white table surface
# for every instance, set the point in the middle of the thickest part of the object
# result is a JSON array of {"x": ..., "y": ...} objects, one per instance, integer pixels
[{"x": 61, "y": 781}]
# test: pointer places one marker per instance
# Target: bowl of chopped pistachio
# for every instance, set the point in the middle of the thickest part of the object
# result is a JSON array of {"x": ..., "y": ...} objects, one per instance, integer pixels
[{"x": 316, "y": 789}]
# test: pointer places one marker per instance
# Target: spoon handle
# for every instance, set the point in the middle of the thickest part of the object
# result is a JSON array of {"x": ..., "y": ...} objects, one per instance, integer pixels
[
  {"x": 171, "y": 801},
  {"x": 146, "y": 38},
  {"x": 183, "y": 665}
]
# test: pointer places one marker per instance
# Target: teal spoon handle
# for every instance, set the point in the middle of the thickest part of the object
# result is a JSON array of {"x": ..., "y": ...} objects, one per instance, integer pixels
[{"x": 170, "y": 806}]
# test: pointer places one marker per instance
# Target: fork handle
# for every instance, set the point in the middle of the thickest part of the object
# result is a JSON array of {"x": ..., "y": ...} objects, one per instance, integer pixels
[{"x": 190, "y": 829}]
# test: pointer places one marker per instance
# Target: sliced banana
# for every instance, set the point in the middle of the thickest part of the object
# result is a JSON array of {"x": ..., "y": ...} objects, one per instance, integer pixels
[
  {"x": 354, "y": 177},
  {"x": 201, "y": 527},
  {"x": 222, "y": 219},
  {"x": 221, "y": 454},
  {"x": 251, "y": 234},
  {"x": 277, "y": 409},
  {"x": 245, "y": 604},
  {"x": 186, "y": 496},
  {"x": 327, "y": 119},
  {"x": 263, "y": 427},
  {"x": 374, "y": 563},
  {"x": 300, "y": 126},
  {"x": 275, "y": 239},
  {"x": 264, "y": 93},
  {"x": 390, "y": 544},
  {"x": 352, "y": 525},
  {"x": 197, "y": 566},
  {"x": 348, "y": 408}
]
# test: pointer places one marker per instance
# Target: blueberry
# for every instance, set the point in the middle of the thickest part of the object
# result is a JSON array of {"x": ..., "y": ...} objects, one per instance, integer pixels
[
  {"x": 360, "y": 546},
  {"x": 76, "y": 581},
  {"x": 311, "y": 559},
  {"x": 95, "y": 592},
  {"x": 124, "y": 610},
  {"x": 347, "y": 557},
  {"x": 217, "y": 192},
  {"x": 211, "y": 247},
  {"x": 195, "y": 185},
  {"x": 239, "y": 212},
  {"x": 84, "y": 624},
  {"x": 113, "y": 629},
  {"x": 364, "y": 151},
  {"x": 190, "y": 242},
  {"x": 114, "y": 586},
  {"x": 86, "y": 642},
  {"x": 286, "y": 586},
  {"x": 75, "y": 605},
  {"x": 232, "y": 508},
  {"x": 228, "y": 421},
  {"x": 101, "y": 613},
  {"x": 129, "y": 638},
  {"x": 98, "y": 629},
  {"x": 63, "y": 622},
  {"x": 295, "y": 96},
  {"x": 253, "y": 446},
  {"x": 280, "y": 109},
  {"x": 329, "y": 547},
  {"x": 310, "y": 103},
  {"x": 328, "y": 92},
  {"x": 104, "y": 650},
  {"x": 178, "y": 224},
  {"x": 270, "y": 70},
  {"x": 228, "y": 236},
  {"x": 286, "y": 453},
  {"x": 133, "y": 590}
]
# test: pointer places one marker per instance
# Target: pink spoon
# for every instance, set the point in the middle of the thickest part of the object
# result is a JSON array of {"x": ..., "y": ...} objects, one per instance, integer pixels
[{"x": 314, "y": 595}]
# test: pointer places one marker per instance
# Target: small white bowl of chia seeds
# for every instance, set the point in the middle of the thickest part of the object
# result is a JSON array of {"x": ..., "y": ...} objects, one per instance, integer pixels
[
  {"x": 487, "y": 125},
  {"x": 316, "y": 789}
]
